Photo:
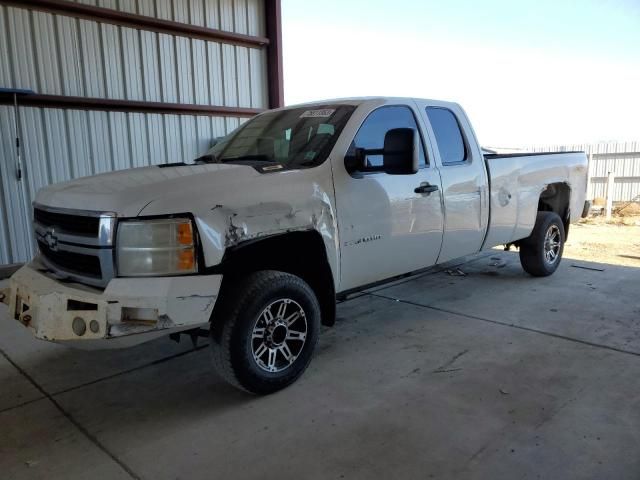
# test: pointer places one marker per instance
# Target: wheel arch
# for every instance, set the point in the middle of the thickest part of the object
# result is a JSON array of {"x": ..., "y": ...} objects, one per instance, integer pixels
[
  {"x": 556, "y": 197},
  {"x": 300, "y": 253}
]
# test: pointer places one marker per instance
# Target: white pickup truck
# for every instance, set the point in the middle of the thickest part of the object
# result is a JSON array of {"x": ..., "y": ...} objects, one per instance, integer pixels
[{"x": 299, "y": 206}]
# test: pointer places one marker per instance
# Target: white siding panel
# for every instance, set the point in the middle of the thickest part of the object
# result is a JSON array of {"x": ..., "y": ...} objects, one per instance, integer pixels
[
  {"x": 226, "y": 15},
  {"x": 155, "y": 134},
  {"x": 219, "y": 127},
  {"x": 112, "y": 61},
  {"x": 129, "y": 6},
  {"x": 93, "y": 59},
  {"x": 204, "y": 135},
  {"x": 57, "y": 149},
  {"x": 132, "y": 64},
  {"x": 240, "y": 16},
  {"x": 200, "y": 72},
  {"x": 196, "y": 11},
  {"x": 172, "y": 138},
  {"x": 5, "y": 66},
  {"x": 35, "y": 153},
  {"x": 100, "y": 145},
  {"x": 168, "y": 69},
  {"x": 139, "y": 141},
  {"x": 78, "y": 138},
  {"x": 151, "y": 67},
  {"x": 46, "y": 50},
  {"x": 188, "y": 134},
  {"x": 212, "y": 14},
  {"x": 70, "y": 62},
  {"x": 16, "y": 227},
  {"x": 255, "y": 18},
  {"x": 229, "y": 77},
  {"x": 258, "y": 75},
  {"x": 22, "y": 50},
  {"x": 147, "y": 8},
  {"x": 181, "y": 11},
  {"x": 119, "y": 140},
  {"x": 185, "y": 70},
  {"x": 243, "y": 76},
  {"x": 164, "y": 9},
  {"x": 216, "y": 83}
]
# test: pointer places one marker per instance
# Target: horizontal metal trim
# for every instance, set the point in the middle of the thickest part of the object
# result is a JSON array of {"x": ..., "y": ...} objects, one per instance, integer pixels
[
  {"x": 113, "y": 105},
  {"x": 143, "y": 22},
  {"x": 156, "y": 249},
  {"x": 73, "y": 211}
]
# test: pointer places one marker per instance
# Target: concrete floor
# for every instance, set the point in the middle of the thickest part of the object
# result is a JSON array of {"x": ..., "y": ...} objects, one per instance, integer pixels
[{"x": 491, "y": 375}]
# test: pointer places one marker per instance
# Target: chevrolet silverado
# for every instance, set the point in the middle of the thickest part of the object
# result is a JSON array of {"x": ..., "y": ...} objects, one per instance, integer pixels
[{"x": 253, "y": 242}]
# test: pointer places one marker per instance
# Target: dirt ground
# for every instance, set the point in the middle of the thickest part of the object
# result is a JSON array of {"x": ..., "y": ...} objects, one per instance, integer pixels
[{"x": 616, "y": 242}]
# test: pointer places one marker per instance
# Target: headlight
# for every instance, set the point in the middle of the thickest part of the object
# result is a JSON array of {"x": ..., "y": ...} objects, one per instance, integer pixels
[{"x": 155, "y": 247}]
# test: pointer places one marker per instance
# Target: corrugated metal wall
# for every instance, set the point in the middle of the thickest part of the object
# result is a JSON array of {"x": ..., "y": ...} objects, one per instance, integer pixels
[
  {"x": 60, "y": 55},
  {"x": 621, "y": 158}
]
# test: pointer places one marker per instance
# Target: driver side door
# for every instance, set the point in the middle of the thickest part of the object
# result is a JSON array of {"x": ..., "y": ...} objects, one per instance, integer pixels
[{"x": 389, "y": 224}]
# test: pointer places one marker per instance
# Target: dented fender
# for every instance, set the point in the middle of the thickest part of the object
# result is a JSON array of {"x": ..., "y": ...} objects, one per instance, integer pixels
[{"x": 259, "y": 206}]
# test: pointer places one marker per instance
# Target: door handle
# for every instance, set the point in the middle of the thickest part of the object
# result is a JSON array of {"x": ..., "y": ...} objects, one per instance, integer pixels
[{"x": 426, "y": 188}]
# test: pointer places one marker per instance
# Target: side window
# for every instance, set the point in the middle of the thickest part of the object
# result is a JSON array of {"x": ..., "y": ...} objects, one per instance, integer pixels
[
  {"x": 377, "y": 124},
  {"x": 448, "y": 135}
]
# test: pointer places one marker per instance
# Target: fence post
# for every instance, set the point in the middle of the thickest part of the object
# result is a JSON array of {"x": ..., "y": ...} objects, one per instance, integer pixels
[
  {"x": 589, "y": 167},
  {"x": 611, "y": 177}
]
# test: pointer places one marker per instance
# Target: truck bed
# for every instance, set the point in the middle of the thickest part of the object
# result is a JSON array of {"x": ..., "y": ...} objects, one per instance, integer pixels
[{"x": 516, "y": 182}]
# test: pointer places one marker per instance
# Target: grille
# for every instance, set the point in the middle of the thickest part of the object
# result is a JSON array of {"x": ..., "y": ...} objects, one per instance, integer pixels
[
  {"x": 72, "y": 262},
  {"x": 73, "y": 224}
]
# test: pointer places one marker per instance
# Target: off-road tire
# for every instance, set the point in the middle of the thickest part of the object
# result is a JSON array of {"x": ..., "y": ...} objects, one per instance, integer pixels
[
  {"x": 232, "y": 327},
  {"x": 532, "y": 249}
]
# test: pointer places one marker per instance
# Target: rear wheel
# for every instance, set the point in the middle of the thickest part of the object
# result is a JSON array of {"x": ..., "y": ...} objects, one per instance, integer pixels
[
  {"x": 264, "y": 334},
  {"x": 541, "y": 252}
]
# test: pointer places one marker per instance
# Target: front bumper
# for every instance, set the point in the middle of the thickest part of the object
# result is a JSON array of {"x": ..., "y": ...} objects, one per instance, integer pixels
[{"x": 127, "y": 312}]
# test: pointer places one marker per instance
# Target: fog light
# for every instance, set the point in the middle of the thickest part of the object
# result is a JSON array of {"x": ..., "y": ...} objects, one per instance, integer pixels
[
  {"x": 94, "y": 326},
  {"x": 79, "y": 326}
]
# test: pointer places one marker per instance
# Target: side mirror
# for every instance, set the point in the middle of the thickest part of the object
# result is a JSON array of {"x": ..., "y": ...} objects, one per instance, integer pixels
[
  {"x": 356, "y": 160},
  {"x": 401, "y": 153}
]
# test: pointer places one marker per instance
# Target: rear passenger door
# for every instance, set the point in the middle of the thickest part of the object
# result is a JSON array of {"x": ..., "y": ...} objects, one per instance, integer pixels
[{"x": 464, "y": 179}]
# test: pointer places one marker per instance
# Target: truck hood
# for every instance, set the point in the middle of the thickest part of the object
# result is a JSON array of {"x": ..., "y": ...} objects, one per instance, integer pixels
[{"x": 127, "y": 192}]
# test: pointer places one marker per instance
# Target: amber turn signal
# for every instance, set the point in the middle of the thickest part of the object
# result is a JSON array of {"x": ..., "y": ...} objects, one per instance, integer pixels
[
  {"x": 186, "y": 260},
  {"x": 185, "y": 234}
]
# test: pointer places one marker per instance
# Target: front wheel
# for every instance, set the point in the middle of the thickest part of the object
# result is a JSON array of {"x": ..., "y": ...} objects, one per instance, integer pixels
[
  {"x": 541, "y": 252},
  {"x": 264, "y": 335}
]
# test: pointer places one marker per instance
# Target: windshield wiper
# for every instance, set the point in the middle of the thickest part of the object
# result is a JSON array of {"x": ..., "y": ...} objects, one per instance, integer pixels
[
  {"x": 248, "y": 158},
  {"x": 207, "y": 158}
]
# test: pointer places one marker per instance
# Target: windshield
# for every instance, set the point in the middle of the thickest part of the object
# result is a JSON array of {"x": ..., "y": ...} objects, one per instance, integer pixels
[{"x": 291, "y": 138}]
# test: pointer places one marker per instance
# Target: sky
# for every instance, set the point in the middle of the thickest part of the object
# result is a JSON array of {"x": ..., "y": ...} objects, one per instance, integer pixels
[{"x": 526, "y": 72}]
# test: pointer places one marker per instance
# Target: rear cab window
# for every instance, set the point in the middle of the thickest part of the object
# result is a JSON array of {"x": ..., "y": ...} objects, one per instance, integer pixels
[{"x": 448, "y": 136}]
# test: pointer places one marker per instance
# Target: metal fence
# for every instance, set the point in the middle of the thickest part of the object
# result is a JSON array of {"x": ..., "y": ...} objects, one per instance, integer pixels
[{"x": 621, "y": 158}]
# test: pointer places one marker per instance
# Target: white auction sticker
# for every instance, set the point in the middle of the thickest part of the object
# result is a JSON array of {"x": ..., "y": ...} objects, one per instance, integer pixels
[{"x": 323, "y": 113}]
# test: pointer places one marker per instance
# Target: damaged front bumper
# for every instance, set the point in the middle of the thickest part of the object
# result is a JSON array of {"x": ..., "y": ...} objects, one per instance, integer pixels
[{"x": 127, "y": 312}]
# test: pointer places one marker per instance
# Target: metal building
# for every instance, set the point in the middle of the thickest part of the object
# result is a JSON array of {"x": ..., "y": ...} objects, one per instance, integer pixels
[{"x": 123, "y": 83}]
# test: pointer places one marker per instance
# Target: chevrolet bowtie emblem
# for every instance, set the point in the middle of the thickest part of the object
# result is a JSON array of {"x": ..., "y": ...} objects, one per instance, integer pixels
[{"x": 50, "y": 239}]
